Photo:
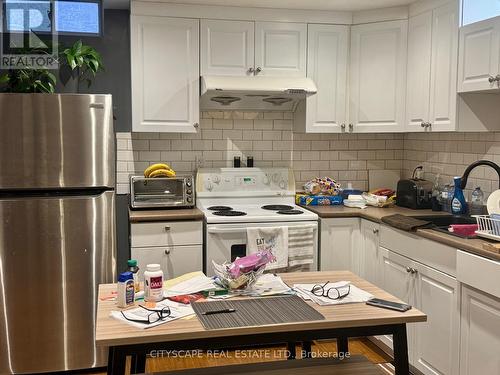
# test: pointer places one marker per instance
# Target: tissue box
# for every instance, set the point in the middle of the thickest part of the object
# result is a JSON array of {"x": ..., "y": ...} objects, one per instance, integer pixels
[{"x": 318, "y": 200}]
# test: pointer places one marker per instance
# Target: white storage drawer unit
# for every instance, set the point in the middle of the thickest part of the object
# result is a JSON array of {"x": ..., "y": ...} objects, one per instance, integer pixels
[
  {"x": 174, "y": 260},
  {"x": 170, "y": 233}
]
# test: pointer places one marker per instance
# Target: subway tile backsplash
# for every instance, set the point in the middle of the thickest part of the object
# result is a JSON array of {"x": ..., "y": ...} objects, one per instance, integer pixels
[{"x": 270, "y": 139}]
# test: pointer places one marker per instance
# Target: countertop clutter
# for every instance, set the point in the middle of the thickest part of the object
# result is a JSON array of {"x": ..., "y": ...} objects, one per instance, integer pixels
[{"x": 473, "y": 245}]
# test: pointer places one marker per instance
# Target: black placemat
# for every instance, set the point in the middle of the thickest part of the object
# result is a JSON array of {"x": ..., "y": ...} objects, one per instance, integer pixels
[{"x": 255, "y": 312}]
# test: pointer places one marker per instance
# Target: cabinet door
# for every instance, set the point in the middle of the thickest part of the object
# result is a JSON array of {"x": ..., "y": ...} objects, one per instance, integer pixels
[
  {"x": 339, "y": 244},
  {"x": 436, "y": 349},
  {"x": 227, "y": 47},
  {"x": 443, "y": 95},
  {"x": 370, "y": 258},
  {"x": 165, "y": 74},
  {"x": 327, "y": 51},
  {"x": 478, "y": 55},
  {"x": 280, "y": 49},
  {"x": 174, "y": 261},
  {"x": 395, "y": 278},
  {"x": 378, "y": 77},
  {"x": 479, "y": 333},
  {"x": 419, "y": 71}
]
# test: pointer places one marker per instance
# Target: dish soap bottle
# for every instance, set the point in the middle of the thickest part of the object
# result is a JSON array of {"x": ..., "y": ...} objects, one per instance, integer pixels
[
  {"x": 458, "y": 204},
  {"x": 477, "y": 202}
]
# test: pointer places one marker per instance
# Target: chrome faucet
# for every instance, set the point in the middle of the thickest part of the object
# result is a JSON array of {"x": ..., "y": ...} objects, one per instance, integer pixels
[{"x": 495, "y": 166}]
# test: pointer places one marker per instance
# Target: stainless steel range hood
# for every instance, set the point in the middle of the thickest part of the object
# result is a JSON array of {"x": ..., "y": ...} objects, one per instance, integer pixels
[{"x": 254, "y": 93}]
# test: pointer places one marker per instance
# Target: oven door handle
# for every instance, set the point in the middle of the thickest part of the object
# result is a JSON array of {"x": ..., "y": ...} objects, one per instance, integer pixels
[{"x": 216, "y": 230}]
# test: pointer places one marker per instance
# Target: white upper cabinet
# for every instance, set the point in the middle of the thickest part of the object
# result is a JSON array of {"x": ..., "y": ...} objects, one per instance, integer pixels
[
  {"x": 227, "y": 47},
  {"x": 280, "y": 49},
  {"x": 479, "y": 57},
  {"x": 165, "y": 74},
  {"x": 327, "y": 51},
  {"x": 378, "y": 77},
  {"x": 443, "y": 99},
  {"x": 419, "y": 71},
  {"x": 432, "y": 70}
]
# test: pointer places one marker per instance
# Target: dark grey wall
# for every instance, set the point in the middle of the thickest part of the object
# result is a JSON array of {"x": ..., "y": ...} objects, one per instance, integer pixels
[{"x": 114, "y": 47}]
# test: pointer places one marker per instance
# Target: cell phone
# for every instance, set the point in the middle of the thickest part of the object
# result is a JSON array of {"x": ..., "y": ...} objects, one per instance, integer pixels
[{"x": 388, "y": 304}]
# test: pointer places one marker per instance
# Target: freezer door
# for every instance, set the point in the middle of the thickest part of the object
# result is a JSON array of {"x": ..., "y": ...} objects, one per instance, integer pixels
[
  {"x": 53, "y": 254},
  {"x": 56, "y": 141}
]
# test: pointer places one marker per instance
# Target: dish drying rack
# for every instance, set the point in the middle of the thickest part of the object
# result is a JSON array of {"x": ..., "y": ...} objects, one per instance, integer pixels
[{"x": 488, "y": 227}]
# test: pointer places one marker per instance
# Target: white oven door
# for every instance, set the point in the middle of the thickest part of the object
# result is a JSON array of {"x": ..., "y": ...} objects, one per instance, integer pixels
[{"x": 225, "y": 242}]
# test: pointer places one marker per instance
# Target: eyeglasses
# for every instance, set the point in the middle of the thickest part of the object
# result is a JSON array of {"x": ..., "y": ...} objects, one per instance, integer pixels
[
  {"x": 332, "y": 293},
  {"x": 155, "y": 315}
]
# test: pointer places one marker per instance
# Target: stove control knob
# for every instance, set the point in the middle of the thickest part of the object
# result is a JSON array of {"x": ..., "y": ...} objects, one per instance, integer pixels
[
  {"x": 282, "y": 184},
  {"x": 266, "y": 180},
  {"x": 216, "y": 179},
  {"x": 209, "y": 186}
]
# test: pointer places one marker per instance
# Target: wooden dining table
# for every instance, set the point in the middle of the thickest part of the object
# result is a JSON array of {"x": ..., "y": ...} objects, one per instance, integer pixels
[{"x": 341, "y": 322}]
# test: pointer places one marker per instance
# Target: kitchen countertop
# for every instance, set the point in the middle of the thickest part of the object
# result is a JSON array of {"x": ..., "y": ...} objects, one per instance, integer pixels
[
  {"x": 473, "y": 245},
  {"x": 137, "y": 216}
]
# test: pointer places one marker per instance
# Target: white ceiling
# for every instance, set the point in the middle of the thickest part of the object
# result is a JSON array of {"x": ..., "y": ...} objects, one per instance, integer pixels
[{"x": 339, "y": 5}]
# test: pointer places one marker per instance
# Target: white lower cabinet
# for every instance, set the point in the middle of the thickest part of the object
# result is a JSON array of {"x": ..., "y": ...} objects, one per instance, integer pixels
[
  {"x": 433, "y": 346},
  {"x": 479, "y": 333},
  {"x": 369, "y": 255},
  {"x": 177, "y": 246},
  {"x": 340, "y": 244},
  {"x": 174, "y": 261}
]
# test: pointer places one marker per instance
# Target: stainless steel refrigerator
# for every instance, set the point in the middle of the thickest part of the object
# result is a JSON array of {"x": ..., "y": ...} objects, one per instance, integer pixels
[{"x": 57, "y": 228}]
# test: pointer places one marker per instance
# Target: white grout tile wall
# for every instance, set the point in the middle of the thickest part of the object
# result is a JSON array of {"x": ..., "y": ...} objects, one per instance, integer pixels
[
  {"x": 450, "y": 153},
  {"x": 270, "y": 139}
]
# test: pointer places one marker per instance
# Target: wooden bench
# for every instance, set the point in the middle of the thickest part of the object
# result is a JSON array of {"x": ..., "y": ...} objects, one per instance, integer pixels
[{"x": 355, "y": 365}]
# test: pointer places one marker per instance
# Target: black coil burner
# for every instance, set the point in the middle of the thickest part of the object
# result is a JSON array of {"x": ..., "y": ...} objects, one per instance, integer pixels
[
  {"x": 220, "y": 208},
  {"x": 229, "y": 213},
  {"x": 290, "y": 212},
  {"x": 277, "y": 207}
]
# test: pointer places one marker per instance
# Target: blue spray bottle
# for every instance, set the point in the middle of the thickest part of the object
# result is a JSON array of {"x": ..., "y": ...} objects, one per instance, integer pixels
[{"x": 458, "y": 203}]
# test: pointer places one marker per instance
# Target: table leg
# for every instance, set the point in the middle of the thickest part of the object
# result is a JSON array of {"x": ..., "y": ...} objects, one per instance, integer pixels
[
  {"x": 342, "y": 345},
  {"x": 306, "y": 349},
  {"x": 138, "y": 363},
  {"x": 400, "y": 344},
  {"x": 292, "y": 350},
  {"x": 116, "y": 361}
]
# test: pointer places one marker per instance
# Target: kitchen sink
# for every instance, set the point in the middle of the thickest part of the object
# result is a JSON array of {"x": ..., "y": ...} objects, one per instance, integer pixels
[{"x": 442, "y": 222}]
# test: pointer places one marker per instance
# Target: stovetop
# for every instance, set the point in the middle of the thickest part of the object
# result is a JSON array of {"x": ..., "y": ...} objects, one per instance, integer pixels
[{"x": 254, "y": 213}]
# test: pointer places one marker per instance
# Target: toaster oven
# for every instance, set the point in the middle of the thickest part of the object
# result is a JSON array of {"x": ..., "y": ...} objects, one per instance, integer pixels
[{"x": 173, "y": 192}]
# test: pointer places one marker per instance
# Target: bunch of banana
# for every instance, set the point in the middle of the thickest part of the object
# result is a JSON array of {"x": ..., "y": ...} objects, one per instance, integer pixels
[{"x": 159, "y": 170}]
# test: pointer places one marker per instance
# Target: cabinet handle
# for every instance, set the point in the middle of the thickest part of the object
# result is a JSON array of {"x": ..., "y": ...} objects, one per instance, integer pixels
[
  {"x": 342, "y": 126},
  {"x": 423, "y": 124},
  {"x": 413, "y": 271},
  {"x": 167, "y": 252},
  {"x": 375, "y": 231},
  {"x": 428, "y": 125},
  {"x": 408, "y": 269},
  {"x": 492, "y": 79},
  {"x": 258, "y": 70},
  {"x": 167, "y": 228},
  {"x": 250, "y": 70},
  {"x": 196, "y": 125},
  {"x": 351, "y": 126}
]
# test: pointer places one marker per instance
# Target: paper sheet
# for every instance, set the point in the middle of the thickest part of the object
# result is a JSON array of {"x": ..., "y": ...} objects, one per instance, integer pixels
[
  {"x": 355, "y": 294},
  {"x": 177, "y": 311},
  {"x": 189, "y": 284},
  {"x": 268, "y": 284}
]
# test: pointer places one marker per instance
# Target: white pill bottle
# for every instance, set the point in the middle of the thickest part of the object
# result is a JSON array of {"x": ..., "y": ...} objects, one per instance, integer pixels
[{"x": 153, "y": 283}]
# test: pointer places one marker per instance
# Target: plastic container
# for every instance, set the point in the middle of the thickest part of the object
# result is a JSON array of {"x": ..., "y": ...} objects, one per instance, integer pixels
[
  {"x": 477, "y": 202},
  {"x": 125, "y": 291},
  {"x": 132, "y": 267},
  {"x": 153, "y": 283},
  {"x": 446, "y": 194},
  {"x": 458, "y": 203}
]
